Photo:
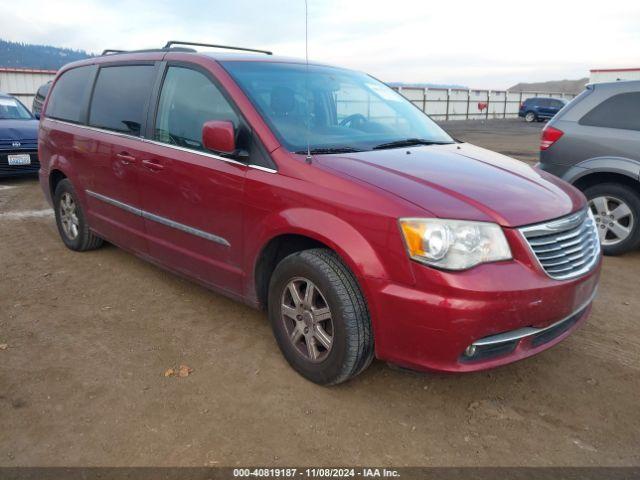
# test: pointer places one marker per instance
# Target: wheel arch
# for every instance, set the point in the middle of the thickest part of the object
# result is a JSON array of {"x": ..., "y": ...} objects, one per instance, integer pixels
[
  {"x": 606, "y": 176},
  {"x": 272, "y": 253},
  {"x": 602, "y": 167},
  {"x": 55, "y": 177},
  {"x": 301, "y": 229}
]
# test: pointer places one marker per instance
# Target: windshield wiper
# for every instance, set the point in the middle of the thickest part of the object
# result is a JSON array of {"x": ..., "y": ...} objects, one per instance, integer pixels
[
  {"x": 328, "y": 150},
  {"x": 408, "y": 142}
]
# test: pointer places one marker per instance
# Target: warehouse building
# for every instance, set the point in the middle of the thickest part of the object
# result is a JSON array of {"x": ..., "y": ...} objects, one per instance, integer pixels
[
  {"x": 614, "y": 74},
  {"x": 23, "y": 83}
]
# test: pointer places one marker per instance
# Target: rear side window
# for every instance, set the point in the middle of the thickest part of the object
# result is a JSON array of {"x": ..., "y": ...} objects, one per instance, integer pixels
[
  {"x": 120, "y": 98},
  {"x": 620, "y": 111},
  {"x": 68, "y": 97},
  {"x": 188, "y": 100}
]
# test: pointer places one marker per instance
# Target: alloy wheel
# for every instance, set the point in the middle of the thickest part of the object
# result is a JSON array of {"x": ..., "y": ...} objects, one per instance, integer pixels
[
  {"x": 69, "y": 216},
  {"x": 614, "y": 219},
  {"x": 307, "y": 319}
]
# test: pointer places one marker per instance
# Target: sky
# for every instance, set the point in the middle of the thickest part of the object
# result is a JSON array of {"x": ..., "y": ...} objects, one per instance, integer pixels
[{"x": 480, "y": 44}]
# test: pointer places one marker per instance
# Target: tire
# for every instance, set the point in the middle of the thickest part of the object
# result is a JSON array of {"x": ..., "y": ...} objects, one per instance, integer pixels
[
  {"x": 71, "y": 221},
  {"x": 530, "y": 117},
  {"x": 348, "y": 326},
  {"x": 607, "y": 199}
]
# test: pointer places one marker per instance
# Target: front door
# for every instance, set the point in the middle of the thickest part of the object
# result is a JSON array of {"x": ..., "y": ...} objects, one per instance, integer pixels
[
  {"x": 544, "y": 108},
  {"x": 192, "y": 198}
]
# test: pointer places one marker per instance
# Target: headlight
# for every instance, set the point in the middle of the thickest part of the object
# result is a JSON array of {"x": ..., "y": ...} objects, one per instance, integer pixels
[{"x": 454, "y": 244}]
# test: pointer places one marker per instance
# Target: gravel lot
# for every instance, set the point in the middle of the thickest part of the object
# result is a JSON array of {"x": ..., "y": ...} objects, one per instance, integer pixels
[{"x": 88, "y": 337}]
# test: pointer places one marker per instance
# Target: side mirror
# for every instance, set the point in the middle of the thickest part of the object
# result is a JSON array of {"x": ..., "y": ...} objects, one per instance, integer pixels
[
  {"x": 219, "y": 136},
  {"x": 37, "y": 115}
]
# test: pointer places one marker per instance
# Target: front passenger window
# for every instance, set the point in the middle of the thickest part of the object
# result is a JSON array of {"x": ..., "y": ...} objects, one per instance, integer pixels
[{"x": 188, "y": 100}]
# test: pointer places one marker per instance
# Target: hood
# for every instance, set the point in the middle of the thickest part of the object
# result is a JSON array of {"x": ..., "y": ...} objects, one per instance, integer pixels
[
  {"x": 18, "y": 129},
  {"x": 462, "y": 181}
]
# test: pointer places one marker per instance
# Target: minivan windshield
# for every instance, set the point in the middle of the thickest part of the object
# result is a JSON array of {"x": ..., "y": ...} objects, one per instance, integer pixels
[
  {"x": 11, "y": 109},
  {"x": 335, "y": 110}
]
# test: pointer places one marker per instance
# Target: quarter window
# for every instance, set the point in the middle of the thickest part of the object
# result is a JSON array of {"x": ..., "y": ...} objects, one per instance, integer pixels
[
  {"x": 68, "y": 96},
  {"x": 120, "y": 98},
  {"x": 620, "y": 111},
  {"x": 188, "y": 100}
]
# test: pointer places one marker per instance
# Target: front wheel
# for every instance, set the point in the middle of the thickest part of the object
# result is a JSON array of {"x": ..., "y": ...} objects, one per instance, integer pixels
[
  {"x": 616, "y": 209},
  {"x": 319, "y": 317}
]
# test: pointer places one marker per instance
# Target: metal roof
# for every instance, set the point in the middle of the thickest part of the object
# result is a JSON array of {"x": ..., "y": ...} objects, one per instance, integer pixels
[
  {"x": 25, "y": 70},
  {"x": 602, "y": 70}
]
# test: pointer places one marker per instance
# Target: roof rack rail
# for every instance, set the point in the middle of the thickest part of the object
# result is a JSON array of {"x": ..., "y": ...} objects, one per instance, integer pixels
[
  {"x": 198, "y": 44},
  {"x": 110, "y": 51}
]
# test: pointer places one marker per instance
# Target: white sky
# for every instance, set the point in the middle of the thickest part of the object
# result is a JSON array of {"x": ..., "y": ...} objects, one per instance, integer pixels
[{"x": 482, "y": 43}]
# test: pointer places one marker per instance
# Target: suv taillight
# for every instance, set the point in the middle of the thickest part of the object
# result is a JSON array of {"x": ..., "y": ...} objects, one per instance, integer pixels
[{"x": 550, "y": 136}]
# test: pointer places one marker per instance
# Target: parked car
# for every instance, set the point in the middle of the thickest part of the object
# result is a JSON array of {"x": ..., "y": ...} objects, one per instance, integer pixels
[
  {"x": 18, "y": 138},
  {"x": 323, "y": 196},
  {"x": 595, "y": 144},
  {"x": 38, "y": 100},
  {"x": 537, "y": 109}
]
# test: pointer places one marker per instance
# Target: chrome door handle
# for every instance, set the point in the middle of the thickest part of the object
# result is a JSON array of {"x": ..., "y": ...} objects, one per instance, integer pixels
[
  {"x": 153, "y": 165},
  {"x": 125, "y": 158}
]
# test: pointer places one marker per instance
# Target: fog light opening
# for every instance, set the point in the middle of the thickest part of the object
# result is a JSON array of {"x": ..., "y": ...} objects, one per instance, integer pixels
[{"x": 470, "y": 351}]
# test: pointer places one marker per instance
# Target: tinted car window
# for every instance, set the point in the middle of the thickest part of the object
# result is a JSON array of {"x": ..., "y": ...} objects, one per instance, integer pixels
[
  {"x": 120, "y": 98},
  {"x": 557, "y": 104},
  {"x": 67, "y": 98},
  {"x": 188, "y": 100},
  {"x": 620, "y": 111}
]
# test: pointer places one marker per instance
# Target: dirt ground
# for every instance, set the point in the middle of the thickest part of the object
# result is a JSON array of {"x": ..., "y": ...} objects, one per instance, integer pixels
[{"x": 88, "y": 337}]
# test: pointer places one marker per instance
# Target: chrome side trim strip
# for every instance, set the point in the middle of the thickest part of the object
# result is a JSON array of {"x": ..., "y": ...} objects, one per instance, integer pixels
[
  {"x": 166, "y": 145},
  {"x": 185, "y": 228},
  {"x": 529, "y": 331},
  {"x": 162, "y": 220},
  {"x": 115, "y": 203}
]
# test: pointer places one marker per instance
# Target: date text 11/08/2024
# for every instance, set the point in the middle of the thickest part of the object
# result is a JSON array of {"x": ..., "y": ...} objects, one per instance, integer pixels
[{"x": 316, "y": 472}]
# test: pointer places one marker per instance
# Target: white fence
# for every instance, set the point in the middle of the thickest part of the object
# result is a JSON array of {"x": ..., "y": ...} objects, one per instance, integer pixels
[{"x": 458, "y": 104}]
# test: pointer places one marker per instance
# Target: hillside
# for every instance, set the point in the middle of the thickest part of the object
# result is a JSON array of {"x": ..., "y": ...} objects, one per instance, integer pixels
[
  {"x": 554, "y": 86},
  {"x": 24, "y": 55}
]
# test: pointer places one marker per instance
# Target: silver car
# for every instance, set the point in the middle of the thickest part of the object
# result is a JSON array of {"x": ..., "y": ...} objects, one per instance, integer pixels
[{"x": 594, "y": 143}]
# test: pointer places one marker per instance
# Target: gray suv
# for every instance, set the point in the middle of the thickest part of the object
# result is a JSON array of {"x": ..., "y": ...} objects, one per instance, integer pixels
[{"x": 594, "y": 143}]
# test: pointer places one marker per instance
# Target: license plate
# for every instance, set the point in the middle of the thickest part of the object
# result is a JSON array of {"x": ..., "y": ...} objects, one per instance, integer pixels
[{"x": 22, "y": 159}]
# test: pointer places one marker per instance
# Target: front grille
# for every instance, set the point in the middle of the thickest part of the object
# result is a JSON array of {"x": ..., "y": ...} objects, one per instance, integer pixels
[
  {"x": 566, "y": 247},
  {"x": 30, "y": 144},
  {"x": 10, "y": 170}
]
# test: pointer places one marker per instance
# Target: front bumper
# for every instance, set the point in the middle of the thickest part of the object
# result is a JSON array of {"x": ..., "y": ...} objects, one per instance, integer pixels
[{"x": 507, "y": 310}]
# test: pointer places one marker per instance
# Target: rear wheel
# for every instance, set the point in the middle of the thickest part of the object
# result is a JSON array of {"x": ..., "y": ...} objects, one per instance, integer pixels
[
  {"x": 71, "y": 221},
  {"x": 319, "y": 317},
  {"x": 616, "y": 208},
  {"x": 530, "y": 117}
]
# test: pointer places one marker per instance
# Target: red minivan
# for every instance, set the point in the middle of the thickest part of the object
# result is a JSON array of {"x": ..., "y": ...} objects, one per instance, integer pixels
[{"x": 324, "y": 197}]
